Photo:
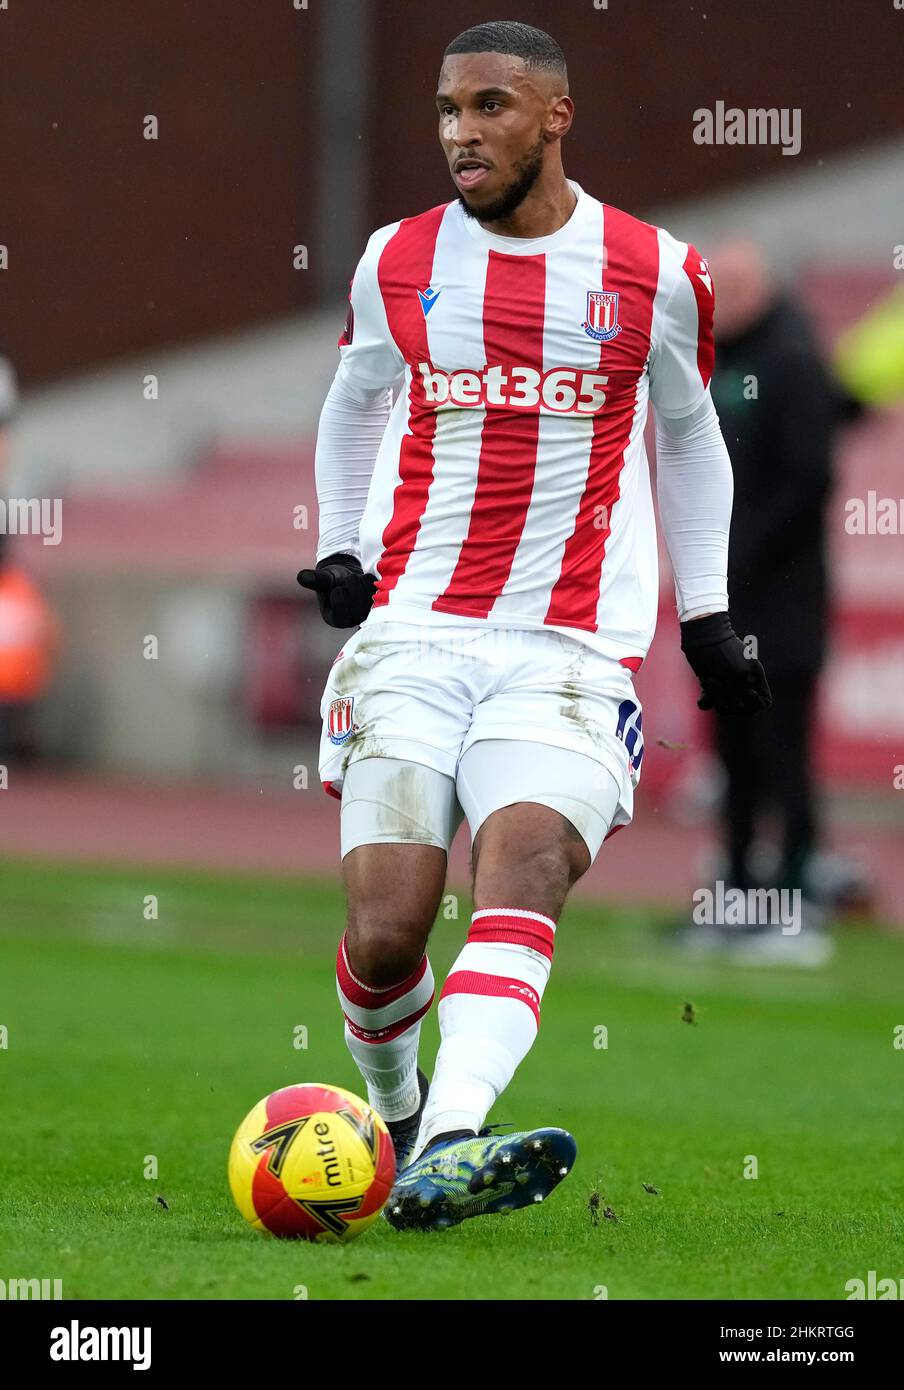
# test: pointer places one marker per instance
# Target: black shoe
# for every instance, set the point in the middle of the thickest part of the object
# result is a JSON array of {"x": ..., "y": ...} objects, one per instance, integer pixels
[{"x": 404, "y": 1132}]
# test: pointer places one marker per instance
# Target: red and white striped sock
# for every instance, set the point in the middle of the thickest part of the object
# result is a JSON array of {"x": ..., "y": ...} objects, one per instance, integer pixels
[
  {"x": 382, "y": 1029},
  {"x": 489, "y": 1014}
]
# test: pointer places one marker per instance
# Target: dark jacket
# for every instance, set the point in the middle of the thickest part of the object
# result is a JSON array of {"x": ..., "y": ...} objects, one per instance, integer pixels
[{"x": 779, "y": 409}]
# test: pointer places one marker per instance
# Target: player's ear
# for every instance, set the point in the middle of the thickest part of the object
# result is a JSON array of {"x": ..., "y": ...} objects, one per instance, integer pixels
[{"x": 559, "y": 116}]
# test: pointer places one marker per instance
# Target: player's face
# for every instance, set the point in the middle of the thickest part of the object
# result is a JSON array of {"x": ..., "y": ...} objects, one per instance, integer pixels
[{"x": 491, "y": 115}]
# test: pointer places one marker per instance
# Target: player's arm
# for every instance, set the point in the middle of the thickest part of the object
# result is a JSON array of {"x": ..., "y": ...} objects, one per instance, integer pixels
[
  {"x": 351, "y": 427},
  {"x": 695, "y": 488}
]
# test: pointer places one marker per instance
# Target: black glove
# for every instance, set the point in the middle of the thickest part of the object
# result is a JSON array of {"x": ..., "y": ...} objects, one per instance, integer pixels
[
  {"x": 732, "y": 682},
  {"x": 344, "y": 592}
]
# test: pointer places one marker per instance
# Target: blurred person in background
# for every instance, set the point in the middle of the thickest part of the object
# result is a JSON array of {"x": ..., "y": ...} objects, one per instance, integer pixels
[
  {"x": 28, "y": 627},
  {"x": 9, "y": 400},
  {"x": 780, "y": 409}
]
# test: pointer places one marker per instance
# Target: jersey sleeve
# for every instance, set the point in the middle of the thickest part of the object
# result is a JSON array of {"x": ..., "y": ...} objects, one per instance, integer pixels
[
  {"x": 682, "y": 361},
  {"x": 369, "y": 357},
  {"x": 696, "y": 488}
]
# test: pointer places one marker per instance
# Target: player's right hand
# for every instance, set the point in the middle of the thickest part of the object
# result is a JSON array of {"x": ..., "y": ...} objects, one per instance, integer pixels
[{"x": 344, "y": 592}]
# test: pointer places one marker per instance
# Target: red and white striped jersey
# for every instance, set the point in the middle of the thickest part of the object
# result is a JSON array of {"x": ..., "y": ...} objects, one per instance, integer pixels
[{"x": 511, "y": 485}]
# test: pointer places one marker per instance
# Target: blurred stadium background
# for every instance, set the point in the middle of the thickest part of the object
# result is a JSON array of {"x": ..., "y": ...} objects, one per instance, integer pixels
[{"x": 171, "y": 308}]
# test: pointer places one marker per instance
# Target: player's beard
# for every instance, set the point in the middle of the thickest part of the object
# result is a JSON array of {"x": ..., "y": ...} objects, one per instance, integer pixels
[{"x": 527, "y": 171}]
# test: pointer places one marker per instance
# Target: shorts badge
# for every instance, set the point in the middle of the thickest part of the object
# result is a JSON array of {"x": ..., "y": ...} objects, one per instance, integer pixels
[{"x": 340, "y": 725}]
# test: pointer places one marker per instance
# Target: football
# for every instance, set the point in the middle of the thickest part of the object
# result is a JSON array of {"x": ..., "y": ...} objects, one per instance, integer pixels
[{"x": 312, "y": 1162}]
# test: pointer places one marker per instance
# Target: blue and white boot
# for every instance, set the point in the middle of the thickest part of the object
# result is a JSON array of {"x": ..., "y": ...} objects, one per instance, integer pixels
[{"x": 479, "y": 1176}]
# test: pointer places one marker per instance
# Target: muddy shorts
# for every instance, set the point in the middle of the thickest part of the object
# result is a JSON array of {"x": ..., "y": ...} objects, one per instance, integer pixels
[{"x": 408, "y": 692}]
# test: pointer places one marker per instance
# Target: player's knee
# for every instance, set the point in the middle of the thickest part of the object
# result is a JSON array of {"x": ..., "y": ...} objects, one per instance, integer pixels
[
  {"x": 384, "y": 947},
  {"x": 551, "y": 863},
  {"x": 536, "y": 862}
]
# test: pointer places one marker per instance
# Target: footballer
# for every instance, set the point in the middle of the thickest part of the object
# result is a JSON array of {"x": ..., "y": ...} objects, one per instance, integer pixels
[{"x": 487, "y": 525}]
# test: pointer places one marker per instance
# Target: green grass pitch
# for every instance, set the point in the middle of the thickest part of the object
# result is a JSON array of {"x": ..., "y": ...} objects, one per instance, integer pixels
[{"x": 129, "y": 1038}]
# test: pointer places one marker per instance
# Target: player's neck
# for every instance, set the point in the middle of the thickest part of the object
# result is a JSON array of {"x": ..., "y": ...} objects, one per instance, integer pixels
[{"x": 544, "y": 211}]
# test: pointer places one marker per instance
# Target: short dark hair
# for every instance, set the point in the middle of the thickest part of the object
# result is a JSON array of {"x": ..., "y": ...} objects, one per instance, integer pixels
[{"x": 535, "y": 46}]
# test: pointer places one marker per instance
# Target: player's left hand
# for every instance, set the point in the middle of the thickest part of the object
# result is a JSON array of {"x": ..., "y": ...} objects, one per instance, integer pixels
[{"x": 733, "y": 683}]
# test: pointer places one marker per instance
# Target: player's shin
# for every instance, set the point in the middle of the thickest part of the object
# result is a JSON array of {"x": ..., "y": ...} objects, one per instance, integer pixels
[
  {"x": 382, "y": 1030},
  {"x": 489, "y": 1014}
]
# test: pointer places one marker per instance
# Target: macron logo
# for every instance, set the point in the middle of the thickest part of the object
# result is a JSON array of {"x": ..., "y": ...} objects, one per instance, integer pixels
[
  {"x": 77, "y": 1343},
  {"x": 428, "y": 298}
]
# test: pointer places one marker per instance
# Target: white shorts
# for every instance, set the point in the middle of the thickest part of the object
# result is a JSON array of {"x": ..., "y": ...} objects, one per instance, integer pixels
[{"x": 416, "y": 694}]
